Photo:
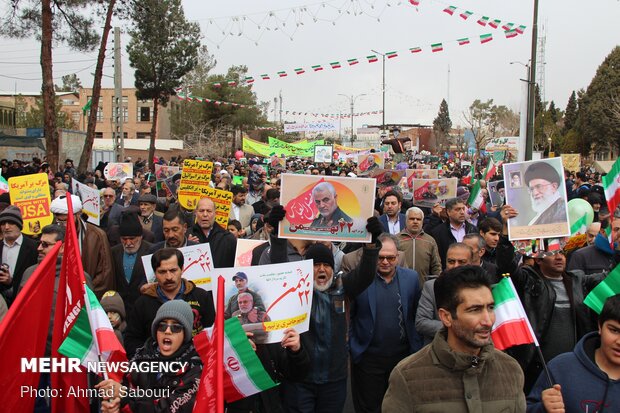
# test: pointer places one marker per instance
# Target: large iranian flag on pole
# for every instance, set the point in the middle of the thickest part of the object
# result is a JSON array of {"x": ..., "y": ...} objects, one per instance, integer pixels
[
  {"x": 611, "y": 183},
  {"x": 491, "y": 170},
  {"x": 244, "y": 374},
  {"x": 475, "y": 198},
  {"x": 512, "y": 326},
  {"x": 92, "y": 337}
]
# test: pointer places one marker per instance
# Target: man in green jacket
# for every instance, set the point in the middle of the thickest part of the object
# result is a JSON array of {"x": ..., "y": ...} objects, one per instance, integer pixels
[{"x": 460, "y": 371}]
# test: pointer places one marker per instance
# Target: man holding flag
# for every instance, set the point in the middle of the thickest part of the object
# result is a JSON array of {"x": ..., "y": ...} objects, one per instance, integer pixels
[{"x": 474, "y": 375}]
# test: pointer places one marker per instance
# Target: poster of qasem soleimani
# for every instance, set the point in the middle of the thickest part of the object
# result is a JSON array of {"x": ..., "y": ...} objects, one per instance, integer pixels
[
  {"x": 326, "y": 208},
  {"x": 536, "y": 190}
]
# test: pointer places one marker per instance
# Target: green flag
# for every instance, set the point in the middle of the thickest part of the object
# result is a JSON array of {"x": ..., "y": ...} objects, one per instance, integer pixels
[
  {"x": 608, "y": 287},
  {"x": 87, "y": 106}
]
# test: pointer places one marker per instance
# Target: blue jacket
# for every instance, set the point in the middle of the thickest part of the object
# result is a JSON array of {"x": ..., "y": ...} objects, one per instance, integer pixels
[
  {"x": 384, "y": 221},
  {"x": 585, "y": 387},
  {"x": 363, "y": 311}
]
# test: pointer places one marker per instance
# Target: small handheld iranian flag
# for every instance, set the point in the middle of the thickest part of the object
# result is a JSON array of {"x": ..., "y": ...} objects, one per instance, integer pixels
[
  {"x": 92, "y": 336},
  {"x": 4, "y": 185},
  {"x": 512, "y": 326},
  {"x": 491, "y": 170},
  {"x": 608, "y": 287},
  {"x": 611, "y": 183},
  {"x": 476, "y": 200},
  {"x": 244, "y": 374}
]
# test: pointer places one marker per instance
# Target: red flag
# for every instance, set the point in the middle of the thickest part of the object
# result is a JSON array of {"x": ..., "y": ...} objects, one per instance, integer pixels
[
  {"x": 69, "y": 301},
  {"x": 302, "y": 209},
  {"x": 210, "y": 397},
  {"x": 23, "y": 334}
]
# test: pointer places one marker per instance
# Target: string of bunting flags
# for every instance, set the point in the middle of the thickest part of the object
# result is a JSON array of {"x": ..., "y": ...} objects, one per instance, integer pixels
[
  {"x": 510, "y": 29},
  {"x": 338, "y": 64},
  {"x": 190, "y": 98}
]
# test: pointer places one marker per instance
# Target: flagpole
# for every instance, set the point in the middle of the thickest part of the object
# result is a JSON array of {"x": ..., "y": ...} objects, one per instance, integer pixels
[{"x": 219, "y": 347}]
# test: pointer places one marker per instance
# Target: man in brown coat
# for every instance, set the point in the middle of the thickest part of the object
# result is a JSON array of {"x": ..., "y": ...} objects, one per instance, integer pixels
[
  {"x": 419, "y": 249},
  {"x": 93, "y": 243}
]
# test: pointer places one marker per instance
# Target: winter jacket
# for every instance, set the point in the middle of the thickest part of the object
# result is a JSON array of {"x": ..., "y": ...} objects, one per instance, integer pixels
[
  {"x": 593, "y": 259},
  {"x": 96, "y": 257},
  {"x": 438, "y": 379},
  {"x": 585, "y": 387},
  {"x": 146, "y": 306},
  {"x": 172, "y": 392},
  {"x": 420, "y": 253},
  {"x": 222, "y": 243}
]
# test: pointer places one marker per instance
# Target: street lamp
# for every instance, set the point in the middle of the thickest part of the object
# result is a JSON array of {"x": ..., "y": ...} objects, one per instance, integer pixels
[
  {"x": 352, "y": 99},
  {"x": 382, "y": 90}
]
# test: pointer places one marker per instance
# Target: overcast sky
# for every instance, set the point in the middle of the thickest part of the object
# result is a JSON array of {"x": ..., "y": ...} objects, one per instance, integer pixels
[{"x": 579, "y": 35}]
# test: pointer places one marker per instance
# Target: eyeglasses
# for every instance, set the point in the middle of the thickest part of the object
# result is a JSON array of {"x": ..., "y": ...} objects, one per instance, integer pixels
[
  {"x": 44, "y": 244},
  {"x": 388, "y": 258},
  {"x": 108, "y": 196},
  {"x": 538, "y": 188},
  {"x": 175, "y": 328}
]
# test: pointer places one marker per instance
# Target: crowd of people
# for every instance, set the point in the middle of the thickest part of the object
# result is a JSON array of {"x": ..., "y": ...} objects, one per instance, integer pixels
[{"x": 407, "y": 315}]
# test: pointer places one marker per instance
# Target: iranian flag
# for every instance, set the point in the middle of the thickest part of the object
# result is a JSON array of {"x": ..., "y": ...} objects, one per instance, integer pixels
[
  {"x": 335, "y": 65},
  {"x": 317, "y": 68},
  {"x": 244, "y": 374},
  {"x": 608, "y": 287},
  {"x": 437, "y": 47},
  {"x": 491, "y": 170},
  {"x": 231, "y": 83},
  {"x": 92, "y": 338},
  {"x": 264, "y": 76},
  {"x": 470, "y": 176},
  {"x": 372, "y": 58},
  {"x": 463, "y": 41},
  {"x": 4, "y": 185},
  {"x": 520, "y": 29},
  {"x": 512, "y": 326},
  {"x": 415, "y": 2},
  {"x": 249, "y": 80},
  {"x": 580, "y": 226},
  {"x": 508, "y": 26},
  {"x": 391, "y": 55},
  {"x": 299, "y": 71},
  {"x": 282, "y": 73},
  {"x": 485, "y": 38},
  {"x": 511, "y": 33},
  {"x": 483, "y": 20},
  {"x": 475, "y": 197},
  {"x": 415, "y": 49},
  {"x": 495, "y": 23},
  {"x": 466, "y": 14},
  {"x": 611, "y": 184},
  {"x": 217, "y": 84},
  {"x": 450, "y": 10},
  {"x": 352, "y": 62}
]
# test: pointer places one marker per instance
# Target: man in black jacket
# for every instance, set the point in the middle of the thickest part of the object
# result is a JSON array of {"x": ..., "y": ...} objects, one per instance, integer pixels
[
  {"x": 452, "y": 229},
  {"x": 222, "y": 243},
  {"x": 167, "y": 264},
  {"x": 17, "y": 251}
]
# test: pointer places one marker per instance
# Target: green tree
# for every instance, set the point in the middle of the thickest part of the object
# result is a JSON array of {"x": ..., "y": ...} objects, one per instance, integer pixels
[
  {"x": 570, "y": 114},
  {"x": 163, "y": 48},
  {"x": 51, "y": 21},
  {"x": 481, "y": 119},
  {"x": 34, "y": 116},
  {"x": 442, "y": 126},
  {"x": 597, "y": 121},
  {"x": 553, "y": 112},
  {"x": 70, "y": 83}
]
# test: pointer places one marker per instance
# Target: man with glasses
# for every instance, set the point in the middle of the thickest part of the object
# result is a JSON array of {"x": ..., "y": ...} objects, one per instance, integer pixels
[
  {"x": 382, "y": 330},
  {"x": 167, "y": 264},
  {"x": 110, "y": 210},
  {"x": 544, "y": 185}
]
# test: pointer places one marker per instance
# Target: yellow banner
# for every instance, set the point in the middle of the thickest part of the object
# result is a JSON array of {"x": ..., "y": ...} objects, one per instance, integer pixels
[
  {"x": 31, "y": 194},
  {"x": 286, "y": 323},
  {"x": 195, "y": 179}
]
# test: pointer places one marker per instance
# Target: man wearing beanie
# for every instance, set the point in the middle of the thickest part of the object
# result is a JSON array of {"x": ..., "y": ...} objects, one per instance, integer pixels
[
  {"x": 167, "y": 264},
  {"x": 170, "y": 340},
  {"x": 18, "y": 252},
  {"x": 127, "y": 256},
  {"x": 324, "y": 388},
  {"x": 149, "y": 220},
  {"x": 546, "y": 197},
  {"x": 93, "y": 243}
]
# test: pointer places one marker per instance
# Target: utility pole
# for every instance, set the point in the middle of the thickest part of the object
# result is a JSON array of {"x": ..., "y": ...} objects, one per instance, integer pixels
[
  {"x": 118, "y": 99},
  {"x": 383, "y": 92},
  {"x": 281, "y": 108},
  {"x": 529, "y": 137},
  {"x": 352, "y": 99}
]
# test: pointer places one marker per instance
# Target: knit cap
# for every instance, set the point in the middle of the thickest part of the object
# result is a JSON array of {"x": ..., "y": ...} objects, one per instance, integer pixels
[
  {"x": 112, "y": 302},
  {"x": 176, "y": 310},
  {"x": 13, "y": 215},
  {"x": 320, "y": 254}
]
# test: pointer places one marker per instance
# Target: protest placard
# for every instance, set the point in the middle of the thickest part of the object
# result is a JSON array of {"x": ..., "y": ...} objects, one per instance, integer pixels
[
  {"x": 31, "y": 194},
  {"x": 195, "y": 179},
  {"x": 91, "y": 200},
  {"x": 197, "y": 265},
  {"x": 118, "y": 170}
]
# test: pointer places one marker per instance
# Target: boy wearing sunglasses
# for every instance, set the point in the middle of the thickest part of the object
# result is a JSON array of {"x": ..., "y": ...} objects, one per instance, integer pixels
[{"x": 170, "y": 341}]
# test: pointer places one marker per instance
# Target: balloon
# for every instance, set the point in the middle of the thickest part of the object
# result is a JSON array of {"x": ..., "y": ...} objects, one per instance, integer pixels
[{"x": 578, "y": 209}]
